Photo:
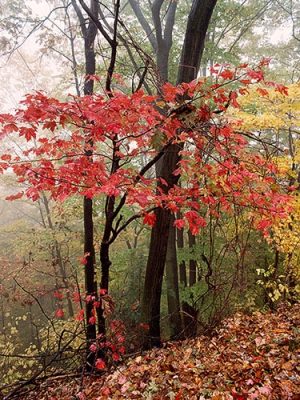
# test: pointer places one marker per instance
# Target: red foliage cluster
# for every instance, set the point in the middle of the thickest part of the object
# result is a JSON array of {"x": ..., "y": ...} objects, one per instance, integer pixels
[{"x": 95, "y": 145}]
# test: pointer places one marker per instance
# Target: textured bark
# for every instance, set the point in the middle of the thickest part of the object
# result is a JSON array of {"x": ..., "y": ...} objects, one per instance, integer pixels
[
  {"x": 194, "y": 41},
  {"x": 157, "y": 254},
  {"x": 198, "y": 20}
]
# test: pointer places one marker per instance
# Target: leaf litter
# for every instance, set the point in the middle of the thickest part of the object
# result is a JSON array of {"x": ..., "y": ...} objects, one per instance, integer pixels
[{"x": 249, "y": 357}]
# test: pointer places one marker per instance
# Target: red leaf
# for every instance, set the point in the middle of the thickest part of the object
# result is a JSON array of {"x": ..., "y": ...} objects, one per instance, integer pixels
[
  {"x": 59, "y": 313},
  {"x": 58, "y": 295},
  {"x": 179, "y": 395},
  {"x": 80, "y": 315},
  {"x": 83, "y": 260},
  {"x": 262, "y": 92},
  {"x": 149, "y": 219},
  {"x": 29, "y": 133},
  {"x": 93, "y": 348},
  {"x": 100, "y": 364},
  {"x": 227, "y": 74},
  {"x": 6, "y": 157},
  {"x": 179, "y": 223},
  {"x": 14, "y": 196},
  {"x": 116, "y": 357}
]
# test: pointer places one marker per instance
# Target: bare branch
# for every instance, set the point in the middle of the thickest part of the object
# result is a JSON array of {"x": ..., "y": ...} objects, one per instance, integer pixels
[
  {"x": 96, "y": 22},
  {"x": 114, "y": 45}
]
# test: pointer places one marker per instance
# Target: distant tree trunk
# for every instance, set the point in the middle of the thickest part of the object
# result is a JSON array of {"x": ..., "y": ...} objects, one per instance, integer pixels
[
  {"x": 191, "y": 312},
  {"x": 198, "y": 20},
  {"x": 180, "y": 245},
  {"x": 172, "y": 285},
  {"x": 192, "y": 262},
  {"x": 57, "y": 257}
]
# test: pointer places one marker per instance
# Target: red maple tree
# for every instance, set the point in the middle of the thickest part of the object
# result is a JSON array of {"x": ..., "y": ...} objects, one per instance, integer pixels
[{"x": 128, "y": 135}]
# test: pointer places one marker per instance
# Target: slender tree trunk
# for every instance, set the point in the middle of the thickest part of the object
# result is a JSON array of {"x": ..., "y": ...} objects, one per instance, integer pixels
[
  {"x": 192, "y": 262},
  {"x": 172, "y": 285},
  {"x": 194, "y": 41},
  {"x": 180, "y": 245},
  {"x": 57, "y": 257},
  {"x": 89, "y": 272},
  {"x": 89, "y": 33},
  {"x": 191, "y": 312},
  {"x": 105, "y": 262}
]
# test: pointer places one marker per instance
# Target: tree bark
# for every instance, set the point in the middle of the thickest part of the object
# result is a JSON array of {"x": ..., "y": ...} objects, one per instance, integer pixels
[
  {"x": 198, "y": 20},
  {"x": 89, "y": 34},
  {"x": 194, "y": 41},
  {"x": 157, "y": 254}
]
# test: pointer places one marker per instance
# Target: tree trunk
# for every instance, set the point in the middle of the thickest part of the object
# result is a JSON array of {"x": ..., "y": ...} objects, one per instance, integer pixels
[
  {"x": 192, "y": 262},
  {"x": 194, "y": 41},
  {"x": 190, "y": 311},
  {"x": 192, "y": 50},
  {"x": 89, "y": 34},
  {"x": 89, "y": 274},
  {"x": 57, "y": 257},
  {"x": 180, "y": 245},
  {"x": 157, "y": 254},
  {"x": 172, "y": 285}
]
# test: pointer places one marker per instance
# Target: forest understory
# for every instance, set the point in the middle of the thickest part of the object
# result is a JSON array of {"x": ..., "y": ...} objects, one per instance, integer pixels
[{"x": 251, "y": 356}]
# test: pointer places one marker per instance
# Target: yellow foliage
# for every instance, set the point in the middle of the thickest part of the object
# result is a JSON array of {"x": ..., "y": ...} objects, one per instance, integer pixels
[
  {"x": 273, "y": 111},
  {"x": 278, "y": 116}
]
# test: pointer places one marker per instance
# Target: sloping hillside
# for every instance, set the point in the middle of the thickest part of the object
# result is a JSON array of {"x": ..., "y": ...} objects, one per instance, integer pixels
[{"x": 249, "y": 357}]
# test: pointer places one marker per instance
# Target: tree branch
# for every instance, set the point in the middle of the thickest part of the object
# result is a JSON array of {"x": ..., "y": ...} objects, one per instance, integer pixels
[
  {"x": 96, "y": 22},
  {"x": 114, "y": 45},
  {"x": 144, "y": 23}
]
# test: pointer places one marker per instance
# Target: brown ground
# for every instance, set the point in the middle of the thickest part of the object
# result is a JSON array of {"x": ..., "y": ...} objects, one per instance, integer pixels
[{"x": 250, "y": 357}]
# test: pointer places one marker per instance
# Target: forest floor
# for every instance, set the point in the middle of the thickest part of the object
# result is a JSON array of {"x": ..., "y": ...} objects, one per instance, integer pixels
[{"x": 249, "y": 357}]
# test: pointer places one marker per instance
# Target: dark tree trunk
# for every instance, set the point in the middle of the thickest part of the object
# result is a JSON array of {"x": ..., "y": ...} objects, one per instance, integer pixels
[
  {"x": 198, "y": 20},
  {"x": 194, "y": 41},
  {"x": 90, "y": 282},
  {"x": 105, "y": 259},
  {"x": 157, "y": 253},
  {"x": 89, "y": 34}
]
